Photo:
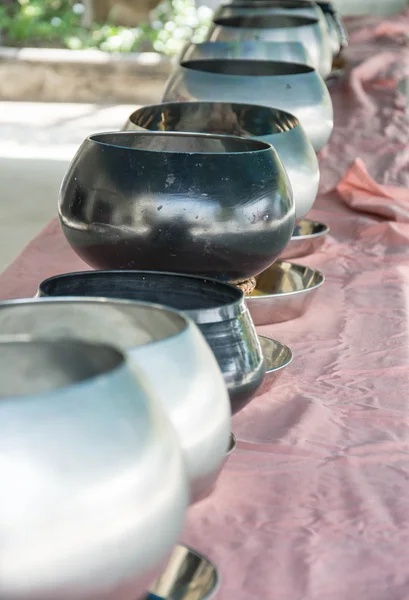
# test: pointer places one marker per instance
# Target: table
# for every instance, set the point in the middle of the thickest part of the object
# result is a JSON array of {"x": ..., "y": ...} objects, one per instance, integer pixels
[{"x": 314, "y": 504}]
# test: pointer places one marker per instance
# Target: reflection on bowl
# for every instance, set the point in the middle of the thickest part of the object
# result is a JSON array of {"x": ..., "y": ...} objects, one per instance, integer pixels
[
  {"x": 81, "y": 457},
  {"x": 219, "y": 206}
]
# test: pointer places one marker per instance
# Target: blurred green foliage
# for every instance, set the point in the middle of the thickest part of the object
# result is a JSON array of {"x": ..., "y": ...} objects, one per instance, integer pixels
[{"x": 57, "y": 23}]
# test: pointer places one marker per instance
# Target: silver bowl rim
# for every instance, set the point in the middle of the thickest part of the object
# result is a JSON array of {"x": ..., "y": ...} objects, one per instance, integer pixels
[
  {"x": 289, "y": 355},
  {"x": 310, "y": 236},
  {"x": 297, "y": 21},
  {"x": 184, "y": 103},
  {"x": 257, "y": 146},
  {"x": 268, "y": 43},
  {"x": 304, "y": 290},
  {"x": 98, "y": 300},
  {"x": 191, "y": 64},
  {"x": 200, "y": 316}
]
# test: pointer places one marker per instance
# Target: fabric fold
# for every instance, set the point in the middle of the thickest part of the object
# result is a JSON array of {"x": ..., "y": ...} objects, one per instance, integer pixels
[{"x": 362, "y": 193}]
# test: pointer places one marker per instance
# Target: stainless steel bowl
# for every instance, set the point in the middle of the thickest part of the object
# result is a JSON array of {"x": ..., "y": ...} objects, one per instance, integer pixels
[
  {"x": 93, "y": 486},
  {"x": 276, "y": 127},
  {"x": 294, "y": 52},
  {"x": 333, "y": 33},
  {"x": 277, "y": 357},
  {"x": 304, "y": 8},
  {"x": 283, "y": 292},
  {"x": 187, "y": 576},
  {"x": 311, "y": 32},
  {"x": 318, "y": 10},
  {"x": 295, "y": 88},
  {"x": 165, "y": 347},
  {"x": 336, "y": 28},
  {"x": 294, "y": 8},
  {"x": 307, "y": 238},
  {"x": 218, "y": 206},
  {"x": 218, "y": 309},
  {"x": 231, "y": 449}
]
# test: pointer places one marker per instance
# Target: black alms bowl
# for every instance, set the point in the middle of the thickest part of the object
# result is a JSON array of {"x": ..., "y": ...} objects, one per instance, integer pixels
[
  {"x": 218, "y": 309},
  {"x": 213, "y": 205}
]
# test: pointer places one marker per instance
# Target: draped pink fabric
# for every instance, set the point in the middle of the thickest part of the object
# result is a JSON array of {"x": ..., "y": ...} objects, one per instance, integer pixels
[{"x": 314, "y": 504}]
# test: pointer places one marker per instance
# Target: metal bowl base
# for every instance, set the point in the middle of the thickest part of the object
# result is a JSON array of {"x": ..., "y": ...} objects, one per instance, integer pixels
[
  {"x": 308, "y": 237},
  {"x": 283, "y": 292},
  {"x": 187, "y": 575},
  {"x": 277, "y": 356}
]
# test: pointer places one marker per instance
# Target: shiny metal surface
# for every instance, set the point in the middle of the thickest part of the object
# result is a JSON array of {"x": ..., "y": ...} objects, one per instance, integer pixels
[
  {"x": 187, "y": 576},
  {"x": 293, "y": 8},
  {"x": 336, "y": 28},
  {"x": 231, "y": 449},
  {"x": 311, "y": 32},
  {"x": 232, "y": 445},
  {"x": 308, "y": 237},
  {"x": 283, "y": 292},
  {"x": 218, "y": 206},
  {"x": 302, "y": 8},
  {"x": 243, "y": 50},
  {"x": 165, "y": 347},
  {"x": 294, "y": 88},
  {"x": 93, "y": 487},
  {"x": 323, "y": 11},
  {"x": 270, "y": 125},
  {"x": 277, "y": 357},
  {"x": 333, "y": 33},
  {"x": 218, "y": 309},
  {"x": 54, "y": 365}
]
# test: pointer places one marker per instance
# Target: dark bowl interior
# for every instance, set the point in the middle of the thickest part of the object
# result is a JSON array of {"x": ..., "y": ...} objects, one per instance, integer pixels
[
  {"x": 214, "y": 117},
  {"x": 180, "y": 292},
  {"x": 265, "y": 21},
  {"x": 178, "y": 142},
  {"x": 246, "y": 68},
  {"x": 217, "y": 308}
]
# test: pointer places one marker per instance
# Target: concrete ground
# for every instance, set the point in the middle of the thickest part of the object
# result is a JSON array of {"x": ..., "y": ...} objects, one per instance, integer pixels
[{"x": 37, "y": 142}]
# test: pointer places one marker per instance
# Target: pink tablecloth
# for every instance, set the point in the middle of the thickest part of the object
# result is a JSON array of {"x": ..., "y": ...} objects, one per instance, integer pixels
[{"x": 314, "y": 505}]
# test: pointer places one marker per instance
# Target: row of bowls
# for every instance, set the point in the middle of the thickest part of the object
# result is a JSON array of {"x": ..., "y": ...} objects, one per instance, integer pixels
[
  {"x": 141, "y": 430},
  {"x": 209, "y": 203},
  {"x": 109, "y": 445}
]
